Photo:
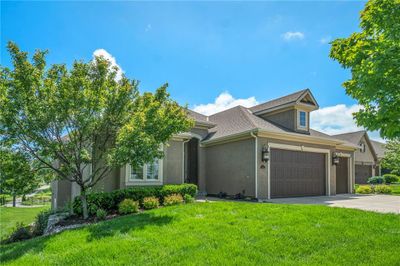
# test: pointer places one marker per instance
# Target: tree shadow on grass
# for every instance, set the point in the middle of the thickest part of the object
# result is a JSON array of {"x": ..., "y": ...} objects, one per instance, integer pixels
[
  {"x": 126, "y": 224},
  {"x": 13, "y": 251}
]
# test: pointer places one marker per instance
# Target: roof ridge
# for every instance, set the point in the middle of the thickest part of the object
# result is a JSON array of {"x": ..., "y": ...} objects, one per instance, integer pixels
[
  {"x": 288, "y": 95},
  {"x": 351, "y": 132},
  {"x": 223, "y": 111},
  {"x": 247, "y": 113}
]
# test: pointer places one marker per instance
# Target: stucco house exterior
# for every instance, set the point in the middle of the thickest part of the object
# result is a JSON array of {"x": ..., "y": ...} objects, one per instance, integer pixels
[
  {"x": 366, "y": 157},
  {"x": 263, "y": 152}
]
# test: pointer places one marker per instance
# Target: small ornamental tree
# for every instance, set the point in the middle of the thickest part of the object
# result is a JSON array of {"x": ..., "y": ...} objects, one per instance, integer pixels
[
  {"x": 392, "y": 156},
  {"x": 71, "y": 119},
  {"x": 373, "y": 56},
  {"x": 17, "y": 177}
]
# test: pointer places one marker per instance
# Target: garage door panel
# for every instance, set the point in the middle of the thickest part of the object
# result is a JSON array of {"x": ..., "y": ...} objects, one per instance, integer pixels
[
  {"x": 295, "y": 173},
  {"x": 363, "y": 172}
]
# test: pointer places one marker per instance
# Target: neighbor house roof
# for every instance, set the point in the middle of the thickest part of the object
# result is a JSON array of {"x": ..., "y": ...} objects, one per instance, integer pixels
[
  {"x": 379, "y": 148},
  {"x": 282, "y": 101},
  {"x": 355, "y": 138}
]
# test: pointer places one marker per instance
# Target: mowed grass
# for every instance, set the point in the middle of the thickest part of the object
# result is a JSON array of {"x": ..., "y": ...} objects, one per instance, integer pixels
[
  {"x": 222, "y": 233},
  {"x": 10, "y": 216}
]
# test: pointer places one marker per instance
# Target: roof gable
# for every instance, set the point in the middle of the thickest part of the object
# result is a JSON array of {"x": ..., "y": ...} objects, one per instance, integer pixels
[{"x": 303, "y": 97}]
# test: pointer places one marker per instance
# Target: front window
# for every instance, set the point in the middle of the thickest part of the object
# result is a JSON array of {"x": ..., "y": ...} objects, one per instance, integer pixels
[
  {"x": 147, "y": 172},
  {"x": 302, "y": 119}
]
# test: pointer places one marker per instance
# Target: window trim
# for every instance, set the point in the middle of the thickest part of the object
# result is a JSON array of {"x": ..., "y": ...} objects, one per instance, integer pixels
[
  {"x": 299, "y": 126},
  {"x": 144, "y": 181}
]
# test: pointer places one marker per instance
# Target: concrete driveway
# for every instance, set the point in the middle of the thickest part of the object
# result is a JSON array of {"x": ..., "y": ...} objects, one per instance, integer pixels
[{"x": 376, "y": 203}]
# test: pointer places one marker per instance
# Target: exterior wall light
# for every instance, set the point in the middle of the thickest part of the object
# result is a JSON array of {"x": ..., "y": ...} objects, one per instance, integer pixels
[
  {"x": 265, "y": 154},
  {"x": 335, "y": 158}
]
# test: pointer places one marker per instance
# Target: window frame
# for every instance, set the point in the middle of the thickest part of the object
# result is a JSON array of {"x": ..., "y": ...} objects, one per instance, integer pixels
[
  {"x": 145, "y": 180},
  {"x": 299, "y": 126}
]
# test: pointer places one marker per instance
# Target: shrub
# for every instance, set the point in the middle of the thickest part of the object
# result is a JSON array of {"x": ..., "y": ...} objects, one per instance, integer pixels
[
  {"x": 364, "y": 189},
  {"x": 375, "y": 180},
  {"x": 173, "y": 199},
  {"x": 101, "y": 214},
  {"x": 150, "y": 203},
  {"x": 41, "y": 223},
  {"x": 391, "y": 178},
  {"x": 92, "y": 209},
  {"x": 382, "y": 189},
  {"x": 128, "y": 206},
  {"x": 20, "y": 232},
  {"x": 109, "y": 201},
  {"x": 188, "y": 198}
]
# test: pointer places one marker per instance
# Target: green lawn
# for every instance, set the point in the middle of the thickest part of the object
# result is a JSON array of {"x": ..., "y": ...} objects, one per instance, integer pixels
[
  {"x": 222, "y": 233},
  {"x": 9, "y": 216}
]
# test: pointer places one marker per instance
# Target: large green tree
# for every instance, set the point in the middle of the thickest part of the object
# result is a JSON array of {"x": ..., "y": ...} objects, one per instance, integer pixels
[
  {"x": 85, "y": 116},
  {"x": 392, "y": 156},
  {"x": 373, "y": 56},
  {"x": 17, "y": 177}
]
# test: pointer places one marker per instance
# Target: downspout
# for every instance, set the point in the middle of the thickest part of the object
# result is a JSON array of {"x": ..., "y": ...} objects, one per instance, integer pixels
[
  {"x": 256, "y": 161},
  {"x": 183, "y": 160}
]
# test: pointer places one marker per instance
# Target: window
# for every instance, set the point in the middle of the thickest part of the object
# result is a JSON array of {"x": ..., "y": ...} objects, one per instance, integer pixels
[
  {"x": 302, "y": 119},
  {"x": 362, "y": 147},
  {"x": 150, "y": 172}
]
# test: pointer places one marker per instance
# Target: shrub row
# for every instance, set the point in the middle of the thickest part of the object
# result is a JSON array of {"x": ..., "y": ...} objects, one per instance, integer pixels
[
  {"x": 385, "y": 179},
  {"x": 109, "y": 201},
  {"x": 379, "y": 189}
]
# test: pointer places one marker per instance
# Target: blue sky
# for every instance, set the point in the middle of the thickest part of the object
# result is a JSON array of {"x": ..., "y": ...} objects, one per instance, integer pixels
[{"x": 243, "y": 52}]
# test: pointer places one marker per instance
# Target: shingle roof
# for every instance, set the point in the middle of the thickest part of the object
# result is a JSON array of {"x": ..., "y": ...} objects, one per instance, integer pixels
[
  {"x": 240, "y": 119},
  {"x": 352, "y": 137},
  {"x": 379, "y": 148},
  {"x": 197, "y": 116},
  {"x": 291, "y": 98}
]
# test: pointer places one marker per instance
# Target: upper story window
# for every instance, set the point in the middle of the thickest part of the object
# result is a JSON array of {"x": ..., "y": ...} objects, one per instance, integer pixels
[
  {"x": 362, "y": 147},
  {"x": 302, "y": 119}
]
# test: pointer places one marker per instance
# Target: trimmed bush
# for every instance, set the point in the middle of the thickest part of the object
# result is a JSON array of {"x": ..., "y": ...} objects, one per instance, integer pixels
[
  {"x": 188, "y": 199},
  {"x": 109, "y": 201},
  {"x": 375, "y": 180},
  {"x": 150, "y": 203},
  {"x": 364, "y": 189},
  {"x": 391, "y": 178},
  {"x": 41, "y": 223},
  {"x": 382, "y": 189},
  {"x": 101, "y": 214},
  {"x": 128, "y": 206},
  {"x": 173, "y": 199}
]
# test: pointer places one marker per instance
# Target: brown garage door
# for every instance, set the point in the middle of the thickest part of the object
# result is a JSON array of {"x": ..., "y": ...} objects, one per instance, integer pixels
[
  {"x": 295, "y": 173},
  {"x": 342, "y": 173},
  {"x": 363, "y": 172}
]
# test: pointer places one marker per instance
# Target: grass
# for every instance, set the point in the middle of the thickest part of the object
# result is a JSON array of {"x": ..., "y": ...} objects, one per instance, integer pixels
[
  {"x": 395, "y": 189},
  {"x": 222, "y": 233},
  {"x": 9, "y": 217}
]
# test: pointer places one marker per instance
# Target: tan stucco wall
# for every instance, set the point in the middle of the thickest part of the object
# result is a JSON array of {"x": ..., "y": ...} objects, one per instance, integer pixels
[
  {"x": 366, "y": 157},
  {"x": 286, "y": 118},
  {"x": 61, "y": 193},
  {"x": 173, "y": 163},
  {"x": 230, "y": 168}
]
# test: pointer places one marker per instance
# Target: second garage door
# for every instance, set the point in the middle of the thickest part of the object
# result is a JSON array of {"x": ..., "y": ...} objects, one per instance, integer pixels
[
  {"x": 363, "y": 172},
  {"x": 296, "y": 173}
]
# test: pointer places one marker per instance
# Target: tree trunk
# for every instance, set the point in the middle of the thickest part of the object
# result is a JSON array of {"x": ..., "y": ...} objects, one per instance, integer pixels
[
  {"x": 14, "y": 200},
  {"x": 84, "y": 204}
]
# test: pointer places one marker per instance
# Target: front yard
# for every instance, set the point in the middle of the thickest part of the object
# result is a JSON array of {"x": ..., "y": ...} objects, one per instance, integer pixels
[
  {"x": 222, "y": 233},
  {"x": 10, "y": 216}
]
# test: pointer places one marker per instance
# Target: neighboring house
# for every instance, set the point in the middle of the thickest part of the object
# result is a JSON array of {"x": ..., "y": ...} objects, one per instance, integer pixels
[
  {"x": 367, "y": 161},
  {"x": 380, "y": 148},
  {"x": 263, "y": 152}
]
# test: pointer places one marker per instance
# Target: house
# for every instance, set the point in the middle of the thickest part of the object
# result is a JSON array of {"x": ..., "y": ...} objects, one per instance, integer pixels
[
  {"x": 380, "y": 148},
  {"x": 366, "y": 157},
  {"x": 263, "y": 152}
]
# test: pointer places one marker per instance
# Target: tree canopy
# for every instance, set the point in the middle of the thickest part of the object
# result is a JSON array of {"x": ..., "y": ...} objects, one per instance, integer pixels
[
  {"x": 83, "y": 116},
  {"x": 373, "y": 56},
  {"x": 392, "y": 156}
]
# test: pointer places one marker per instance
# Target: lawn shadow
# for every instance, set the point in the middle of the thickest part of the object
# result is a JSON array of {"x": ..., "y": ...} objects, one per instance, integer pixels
[
  {"x": 12, "y": 251},
  {"x": 127, "y": 223}
]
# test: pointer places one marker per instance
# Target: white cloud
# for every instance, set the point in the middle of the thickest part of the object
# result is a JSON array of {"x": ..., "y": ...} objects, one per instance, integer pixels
[
  {"x": 109, "y": 57},
  {"x": 148, "y": 28},
  {"x": 325, "y": 39},
  {"x": 338, "y": 119},
  {"x": 224, "y": 101},
  {"x": 293, "y": 35}
]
